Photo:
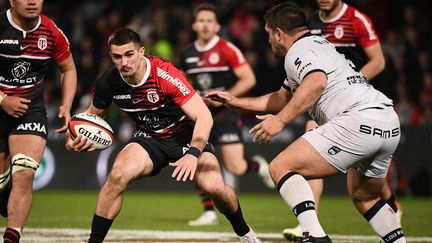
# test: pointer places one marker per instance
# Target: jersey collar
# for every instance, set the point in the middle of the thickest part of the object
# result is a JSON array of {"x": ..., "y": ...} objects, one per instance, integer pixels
[
  {"x": 9, "y": 17},
  {"x": 209, "y": 45},
  {"x": 338, "y": 16},
  {"x": 146, "y": 75}
]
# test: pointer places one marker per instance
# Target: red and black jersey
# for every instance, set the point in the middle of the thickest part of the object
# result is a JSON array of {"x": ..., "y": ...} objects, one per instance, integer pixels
[
  {"x": 350, "y": 31},
  {"x": 154, "y": 104},
  {"x": 24, "y": 57},
  {"x": 211, "y": 67}
]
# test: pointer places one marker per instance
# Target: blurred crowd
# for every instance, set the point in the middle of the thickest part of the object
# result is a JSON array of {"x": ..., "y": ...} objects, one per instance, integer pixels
[{"x": 165, "y": 26}]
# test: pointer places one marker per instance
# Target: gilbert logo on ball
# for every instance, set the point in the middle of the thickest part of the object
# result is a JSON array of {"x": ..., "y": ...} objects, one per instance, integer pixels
[{"x": 94, "y": 128}]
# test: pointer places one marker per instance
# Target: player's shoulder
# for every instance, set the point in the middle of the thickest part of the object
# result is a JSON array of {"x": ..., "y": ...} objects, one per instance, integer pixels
[
  {"x": 49, "y": 24},
  {"x": 158, "y": 62},
  {"x": 111, "y": 75}
]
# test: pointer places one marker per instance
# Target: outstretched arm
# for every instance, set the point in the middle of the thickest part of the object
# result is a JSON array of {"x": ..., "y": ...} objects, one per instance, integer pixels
[
  {"x": 306, "y": 95},
  {"x": 269, "y": 103},
  {"x": 69, "y": 84}
]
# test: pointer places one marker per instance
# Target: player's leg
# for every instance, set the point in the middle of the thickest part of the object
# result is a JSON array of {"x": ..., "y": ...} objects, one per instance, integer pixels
[
  {"x": 5, "y": 182},
  {"x": 25, "y": 161},
  {"x": 316, "y": 185},
  {"x": 238, "y": 163},
  {"x": 365, "y": 194},
  {"x": 209, "y": 177},
  {"x": 130, "y": 164},
  {"x": 388, "y": 196},
  {"x": 289, "y": 170}
]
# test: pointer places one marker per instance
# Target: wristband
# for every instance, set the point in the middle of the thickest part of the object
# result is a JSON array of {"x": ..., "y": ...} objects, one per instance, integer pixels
[
  {"x": 2, "y": 97},
  {"x": 194, "y": 151}
]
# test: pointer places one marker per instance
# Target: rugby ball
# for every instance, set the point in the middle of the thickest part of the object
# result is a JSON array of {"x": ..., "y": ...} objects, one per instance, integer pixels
[{"x": 94, "y": 128}]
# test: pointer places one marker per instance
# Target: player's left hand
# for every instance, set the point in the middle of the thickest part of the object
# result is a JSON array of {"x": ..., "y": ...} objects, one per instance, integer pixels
[
  {"x": 185, "y": 167},
  {"x": 63, "y": 114},
  {"x": 267, "y": 129}
]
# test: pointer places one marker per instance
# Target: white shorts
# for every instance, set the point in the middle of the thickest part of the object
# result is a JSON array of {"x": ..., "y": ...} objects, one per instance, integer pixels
[{"x": 365, "y": 140}]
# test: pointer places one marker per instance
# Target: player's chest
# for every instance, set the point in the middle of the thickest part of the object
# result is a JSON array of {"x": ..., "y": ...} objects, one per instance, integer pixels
[
  {"x": 38, "y": 44},
  {"x": 147, "y": 97}
]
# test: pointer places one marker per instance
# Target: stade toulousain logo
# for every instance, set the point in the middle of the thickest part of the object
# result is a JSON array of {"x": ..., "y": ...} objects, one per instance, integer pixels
[
  {"x": 42, "y": 43},
  {"x": 339, "y": 31},
  {"x": 152, "y": 96},
  {"x": 20, "y": 69}
]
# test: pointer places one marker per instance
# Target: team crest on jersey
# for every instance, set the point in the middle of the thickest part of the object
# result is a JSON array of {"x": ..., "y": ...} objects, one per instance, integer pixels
[
  {"x": 20, "y": 69},
  {"x": 42, "y": 43},
  {"x": 339, "y": 31},
  {"x": 152, "y": 96},
  {"x": 214, "y": 58}
]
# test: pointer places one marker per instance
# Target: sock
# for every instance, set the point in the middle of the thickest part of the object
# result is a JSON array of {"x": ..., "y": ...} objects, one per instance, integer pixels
[
  {"x": 391, "y": 201},
  {"x": 100, "y": 227},
  {"x": 384, "y": 222},
  {"x": 237, "y": 222},
  {"x": 4, "y": 179},
  {"x": 252, "y": 165},
  {"x": 206, "y": 200},
  {"x": 297, "y": 193},
  {"x": 11, "y": 235}
]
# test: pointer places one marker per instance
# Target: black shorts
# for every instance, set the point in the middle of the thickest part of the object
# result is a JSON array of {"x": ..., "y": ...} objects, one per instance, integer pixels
[
  {"x": 165, "y": 150},
  {"x": 34, "y": 122},
  {"x": 226, "y": 128}
]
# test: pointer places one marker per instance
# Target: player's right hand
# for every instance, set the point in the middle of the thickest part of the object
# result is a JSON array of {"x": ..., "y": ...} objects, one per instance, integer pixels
[
  {"x": 223, "y": 97},
  {"x": 79, "y": 144},
  {"x": 15, "y": 106}
]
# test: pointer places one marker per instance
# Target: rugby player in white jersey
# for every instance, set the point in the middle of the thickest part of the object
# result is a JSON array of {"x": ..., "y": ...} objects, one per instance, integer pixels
[{"x": 358, "y": 128}]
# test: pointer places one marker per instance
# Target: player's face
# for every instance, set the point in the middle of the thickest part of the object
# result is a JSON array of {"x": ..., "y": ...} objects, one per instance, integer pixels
[
  {"x": 127, "y": 58},
  {"x": 277, "y": 47},
  {"x": 327, "y": 5},
  {"x": 206, "y": 25},
  {"x": 26, "y": 9}
]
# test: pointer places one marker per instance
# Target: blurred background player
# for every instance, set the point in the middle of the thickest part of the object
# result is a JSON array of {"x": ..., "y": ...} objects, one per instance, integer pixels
[
  {"x": 29, "y": 41},
  {"x": 172, "y": 126},
  {"x": 213, "y": 63},
  {"x": 353, "y": 34}
]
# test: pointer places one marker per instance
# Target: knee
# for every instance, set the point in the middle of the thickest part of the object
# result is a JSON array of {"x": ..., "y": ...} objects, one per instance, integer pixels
[
  {"x": 24, "y": 168},
  {"x": 235, "y": 169},
  {"x": 117, "y": 179}
]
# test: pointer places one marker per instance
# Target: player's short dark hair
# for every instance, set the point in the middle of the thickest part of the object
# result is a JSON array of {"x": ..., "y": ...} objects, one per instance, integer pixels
[
  {"x": 286, "y": 16},
  {"x": 124, "y": 36},
  {"x": 205, "y": 7}
]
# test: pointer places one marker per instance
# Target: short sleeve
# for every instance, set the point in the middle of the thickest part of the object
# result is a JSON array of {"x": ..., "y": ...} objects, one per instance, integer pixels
[
  {"x": 364, "y": 30},
  {"x": 174, "y": 84},
  {"x": 301, "y": 62},
  {"x": 234, "y": 56},
  {"x": 102, "y": 97},
  {"x": 62, "y": 50}
]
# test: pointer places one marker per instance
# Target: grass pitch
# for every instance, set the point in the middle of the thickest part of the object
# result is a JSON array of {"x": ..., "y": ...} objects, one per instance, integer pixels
[{"x": 266, "y": 213}]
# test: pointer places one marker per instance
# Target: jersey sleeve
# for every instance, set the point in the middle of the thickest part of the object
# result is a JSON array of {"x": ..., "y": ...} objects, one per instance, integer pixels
[
  {"x": 302, "y": 62},
  {"x": 364, "y": 30},
  {"x": 61, "y": 45},
  {"x": 102, "y": 95},
  {"x": 175, "y": 85},
  {"x": 234, "y": 56}
]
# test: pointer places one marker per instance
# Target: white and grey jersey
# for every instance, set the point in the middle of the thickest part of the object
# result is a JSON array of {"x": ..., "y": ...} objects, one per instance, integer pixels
[{"x": 346, "y": 90}]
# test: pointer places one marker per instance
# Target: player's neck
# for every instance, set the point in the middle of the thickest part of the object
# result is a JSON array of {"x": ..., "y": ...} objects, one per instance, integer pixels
[
  {"x": 327, "y": 15},
  {"x": 24, "y": 24},
  {"x": 204, "y": 42},
  {"x": 139, "y": 75}
]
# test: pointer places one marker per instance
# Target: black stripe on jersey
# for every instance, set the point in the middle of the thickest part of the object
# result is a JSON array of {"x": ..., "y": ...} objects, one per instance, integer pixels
[{"x": 315, "y": 70}]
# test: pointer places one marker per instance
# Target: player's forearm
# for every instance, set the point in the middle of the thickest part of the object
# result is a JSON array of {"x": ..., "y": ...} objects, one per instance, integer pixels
[
  {"x": 269, "y": 103},
  {"x": 69, "y": 85},
  {"x": 242, "y": 86},
  {"x": 373, "y": 68},
  {"x": 201, "y": 132}
]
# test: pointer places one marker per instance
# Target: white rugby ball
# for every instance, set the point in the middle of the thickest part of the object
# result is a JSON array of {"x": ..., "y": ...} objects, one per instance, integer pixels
[{"x": 96, "y": 129}]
